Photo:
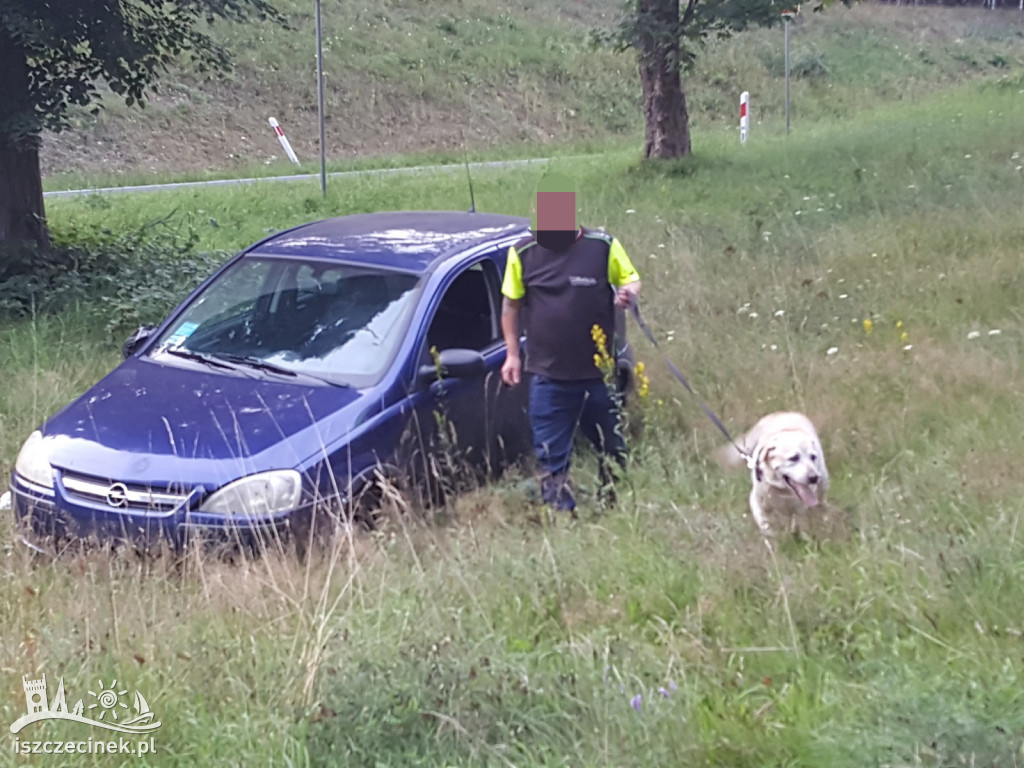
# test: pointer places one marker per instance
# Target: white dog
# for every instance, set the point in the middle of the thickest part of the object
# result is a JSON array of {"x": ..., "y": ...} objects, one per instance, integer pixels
[{"x": 787, "y": 469}]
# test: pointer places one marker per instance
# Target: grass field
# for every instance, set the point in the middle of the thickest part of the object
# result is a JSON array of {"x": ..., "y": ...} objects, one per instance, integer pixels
[{"x": 664, "y": 631}]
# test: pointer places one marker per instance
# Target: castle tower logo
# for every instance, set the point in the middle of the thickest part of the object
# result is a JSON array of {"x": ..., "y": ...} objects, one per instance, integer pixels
[{"x": 106, "y": 708}]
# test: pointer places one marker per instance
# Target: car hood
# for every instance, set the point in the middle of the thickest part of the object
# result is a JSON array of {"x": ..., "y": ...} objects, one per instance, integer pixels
[{"x": 147, "y": 422}]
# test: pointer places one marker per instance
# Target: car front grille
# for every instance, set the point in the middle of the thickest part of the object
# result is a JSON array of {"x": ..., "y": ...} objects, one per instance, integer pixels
[{"x": 122, "y": 497}]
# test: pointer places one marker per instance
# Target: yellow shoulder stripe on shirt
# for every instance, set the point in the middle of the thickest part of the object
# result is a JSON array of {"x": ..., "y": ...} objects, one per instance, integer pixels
[
  {"x": 620, "y": 269},
  {"x": 512, "y": 284}
]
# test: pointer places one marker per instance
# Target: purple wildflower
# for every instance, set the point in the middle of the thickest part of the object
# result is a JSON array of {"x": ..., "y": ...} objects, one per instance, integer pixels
[
  {"x": 664, "y": 692},
  {"x": 637, "y": 701}
]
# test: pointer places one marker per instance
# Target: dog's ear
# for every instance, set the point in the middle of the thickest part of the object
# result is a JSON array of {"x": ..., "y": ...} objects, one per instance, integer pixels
[{"x": 763, "y": 461}]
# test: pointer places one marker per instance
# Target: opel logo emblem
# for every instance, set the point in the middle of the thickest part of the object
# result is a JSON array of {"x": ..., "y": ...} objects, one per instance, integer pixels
[{"x": 117, "y": 495}]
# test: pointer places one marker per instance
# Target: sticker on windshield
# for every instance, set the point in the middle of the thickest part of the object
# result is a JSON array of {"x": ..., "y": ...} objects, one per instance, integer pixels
[{"x": 184, "y": 331}]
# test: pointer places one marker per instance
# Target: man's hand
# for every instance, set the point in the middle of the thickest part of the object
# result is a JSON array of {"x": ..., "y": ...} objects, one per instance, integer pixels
[
  {"x": 627, "y": 294},
  {"x": 512, "y": 370}
]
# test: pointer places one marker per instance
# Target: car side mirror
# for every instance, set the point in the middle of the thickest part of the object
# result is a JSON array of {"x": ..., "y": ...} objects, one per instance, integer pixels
[
  {"x": 136, "y": 340},
  {"x": 455, "y": 364}
]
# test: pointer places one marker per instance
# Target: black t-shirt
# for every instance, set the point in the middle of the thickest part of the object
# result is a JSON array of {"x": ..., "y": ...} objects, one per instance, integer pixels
[{"x": 567, "y": 294}]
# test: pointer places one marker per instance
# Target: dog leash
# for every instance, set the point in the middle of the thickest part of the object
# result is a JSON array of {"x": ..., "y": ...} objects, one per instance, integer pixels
[{"x": 635, "y": 309}]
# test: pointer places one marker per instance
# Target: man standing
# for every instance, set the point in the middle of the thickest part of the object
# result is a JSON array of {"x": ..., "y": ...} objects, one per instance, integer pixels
[{"x": 567, "y": 279}]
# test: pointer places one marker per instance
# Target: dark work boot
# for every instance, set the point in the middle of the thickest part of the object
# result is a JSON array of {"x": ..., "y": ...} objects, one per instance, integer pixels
[{"x": 556, "y": 490}]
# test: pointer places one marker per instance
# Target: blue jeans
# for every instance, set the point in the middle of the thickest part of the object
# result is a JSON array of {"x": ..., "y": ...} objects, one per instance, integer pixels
[{"x": 557, "y": 408}]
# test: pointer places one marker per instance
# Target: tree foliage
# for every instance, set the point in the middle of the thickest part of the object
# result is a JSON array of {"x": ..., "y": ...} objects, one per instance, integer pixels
[
  {"x": 54, "y": 54},
  {"x": 667, "y": 36},
  {"x": 70, "y": 46},
  {"x": 687, "y": 26}
]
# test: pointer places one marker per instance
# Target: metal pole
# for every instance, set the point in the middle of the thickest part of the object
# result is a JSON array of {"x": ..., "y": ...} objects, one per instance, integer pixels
[
  {"x": 320, "y": 100},
  {"x": 786, "y": 24}
]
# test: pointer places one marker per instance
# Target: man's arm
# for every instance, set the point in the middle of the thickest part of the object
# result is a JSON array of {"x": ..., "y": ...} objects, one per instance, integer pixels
[
  {"x": 512, "y": 368},
  {"x": 513, "y": 291},
  {"x": 622, "y": 275}
]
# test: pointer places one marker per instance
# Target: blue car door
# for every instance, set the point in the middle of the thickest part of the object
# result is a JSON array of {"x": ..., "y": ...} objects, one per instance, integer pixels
[{"x": 468, "y": 426}]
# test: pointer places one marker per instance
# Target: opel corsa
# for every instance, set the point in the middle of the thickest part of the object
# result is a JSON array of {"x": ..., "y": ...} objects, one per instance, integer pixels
[{"x": 311, "y": 367}]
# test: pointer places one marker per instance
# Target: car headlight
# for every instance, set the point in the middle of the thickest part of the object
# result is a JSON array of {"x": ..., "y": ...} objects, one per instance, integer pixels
[
  {"x": 32, "y": 463},
  {"x": 267, "y": 493}
]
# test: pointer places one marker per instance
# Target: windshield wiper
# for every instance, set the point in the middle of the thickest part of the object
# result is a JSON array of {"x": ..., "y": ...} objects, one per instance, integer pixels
[
  {"x": 190, "y": 354},
  {"x": 265, "y": 365},
  {"x": 256, "y": 362}
]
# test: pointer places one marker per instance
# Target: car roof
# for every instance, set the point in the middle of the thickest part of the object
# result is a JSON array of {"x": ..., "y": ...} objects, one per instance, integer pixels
[{"x": 408, "y": 240}]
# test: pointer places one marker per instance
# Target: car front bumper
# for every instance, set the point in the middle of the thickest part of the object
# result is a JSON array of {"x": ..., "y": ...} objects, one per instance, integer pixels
[{"x": 54, "y": 515}]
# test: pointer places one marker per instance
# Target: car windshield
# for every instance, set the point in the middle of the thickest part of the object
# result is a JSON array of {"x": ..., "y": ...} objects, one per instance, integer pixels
[{"x": 338, "y": 322}]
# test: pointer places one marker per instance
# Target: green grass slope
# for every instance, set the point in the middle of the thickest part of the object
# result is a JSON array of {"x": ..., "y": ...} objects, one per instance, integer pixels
[{"x": 430, "y": 79}]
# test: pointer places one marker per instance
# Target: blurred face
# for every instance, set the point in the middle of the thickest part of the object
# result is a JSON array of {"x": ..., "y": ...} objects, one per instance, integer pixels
[{"x": 556, "y": 211}]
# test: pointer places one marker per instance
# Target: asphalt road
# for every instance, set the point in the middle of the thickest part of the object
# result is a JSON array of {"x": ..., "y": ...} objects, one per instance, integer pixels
[{"x": 303, "y": 177}]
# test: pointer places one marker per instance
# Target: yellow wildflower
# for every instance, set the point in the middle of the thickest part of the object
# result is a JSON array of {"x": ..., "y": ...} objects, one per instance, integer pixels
[
  {"x": 868, "y": 326},
  {"x": 604, "y": 361},
  {"x": 643, "y": 383}
]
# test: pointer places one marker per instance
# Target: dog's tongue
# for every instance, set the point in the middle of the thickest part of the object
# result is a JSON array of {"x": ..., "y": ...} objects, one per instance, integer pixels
[{"x": 806, "y": 494}]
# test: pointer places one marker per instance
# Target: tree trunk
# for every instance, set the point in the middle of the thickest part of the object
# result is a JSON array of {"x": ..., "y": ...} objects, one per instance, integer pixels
[
  {"x": 22, "y": 217},
  {"x": 665, "y": 115}
]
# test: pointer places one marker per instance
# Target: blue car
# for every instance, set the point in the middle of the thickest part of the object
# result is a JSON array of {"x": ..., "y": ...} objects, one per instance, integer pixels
[{"x": 310, "y": 370}]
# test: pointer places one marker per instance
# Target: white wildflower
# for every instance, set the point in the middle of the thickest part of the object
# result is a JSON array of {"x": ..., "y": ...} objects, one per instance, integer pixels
[
  {"x": 994, "y": 332},
  {"x": 973, "y": 334},
  {"x": 753, "y": 315},
  {"x": 780, "y": 312},
  {"x": 832, "y": 350}
]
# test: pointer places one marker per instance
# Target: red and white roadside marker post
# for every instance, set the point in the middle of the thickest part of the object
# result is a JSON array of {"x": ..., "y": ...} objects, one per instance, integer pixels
[
  {"x": 284, "y": 140},
  {"x": 744, "y": 116}
]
